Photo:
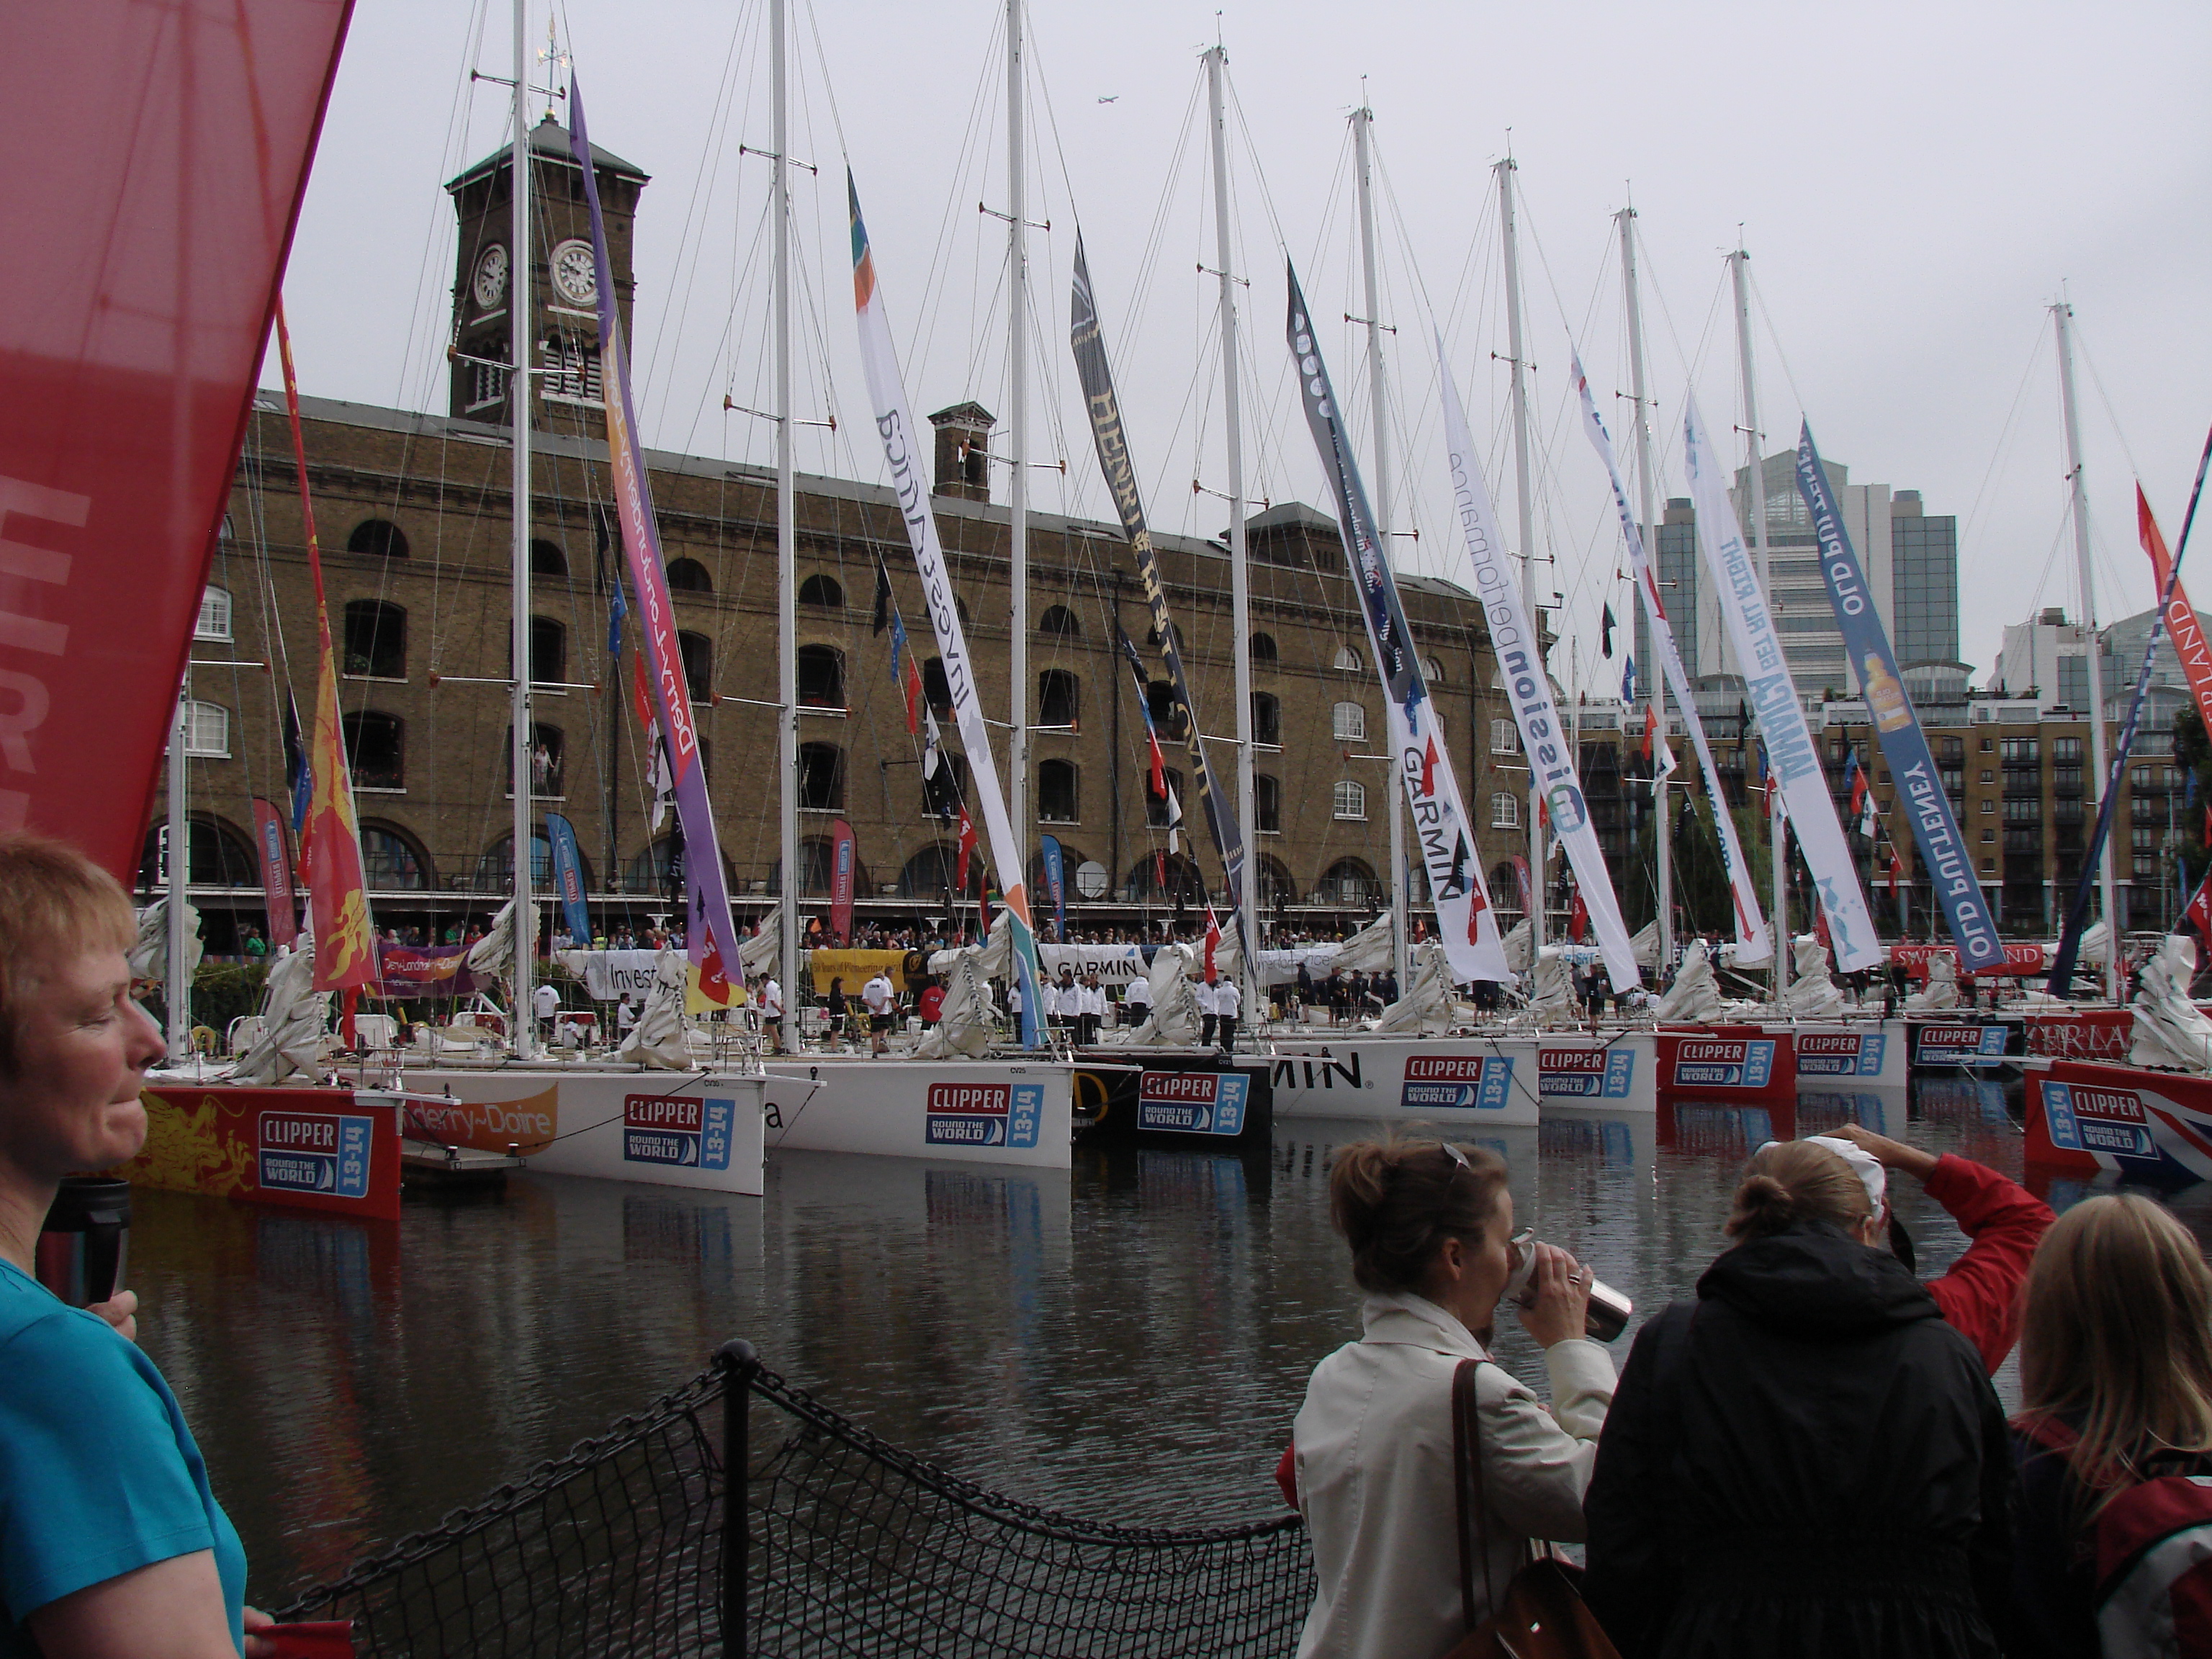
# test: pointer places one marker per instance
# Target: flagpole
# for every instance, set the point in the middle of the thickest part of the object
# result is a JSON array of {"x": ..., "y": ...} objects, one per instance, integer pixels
[
  {"x": 1240, "y": 580},
  {"x": 1663, "y": 800},
  {"x": 1017, "y": 407},
  {"x": 176, "y": 994},
  {"x": 2063, "y": 314},
  {"x": 1526, "y": 503},
  {"x": 520, "y": 1017},
  {"x": 1778, "y": 830},
  {"x": 1362, "y": 119},
  {"x": 786, "y": 547}
]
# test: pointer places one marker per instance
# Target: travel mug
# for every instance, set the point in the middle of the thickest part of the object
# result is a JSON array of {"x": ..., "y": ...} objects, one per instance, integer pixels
[
  {"x": 85, "y": 1236},
  {"x": 1609, "y": 1308}
]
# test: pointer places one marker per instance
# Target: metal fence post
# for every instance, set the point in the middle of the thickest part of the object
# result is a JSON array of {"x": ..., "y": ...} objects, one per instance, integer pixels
[{"x": 737, "y": 1362}]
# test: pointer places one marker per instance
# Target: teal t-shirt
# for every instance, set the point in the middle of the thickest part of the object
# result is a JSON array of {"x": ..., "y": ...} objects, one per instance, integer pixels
[{"x": 99, "y": 1475}]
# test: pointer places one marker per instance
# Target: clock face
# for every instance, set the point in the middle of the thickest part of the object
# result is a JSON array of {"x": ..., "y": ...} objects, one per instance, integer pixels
[
  {"x": 490, "y": 282},
  {"x": 575, "y": 276}
]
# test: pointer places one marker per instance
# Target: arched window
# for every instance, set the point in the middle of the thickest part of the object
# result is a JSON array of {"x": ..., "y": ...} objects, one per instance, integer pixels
[
  {"x": 658, "y": 869},
  {"x": 1349, "y": 882},
  {"x": 817, "y": 870},
  {"x": 207, "y": 731},
  {"x": 1505, "y": 887},
  {"x": 821, "y": 777},
  {"x": 378, "y": 537},
  {"x": 1182, "y": 884},
  {"x": 216, "y": 855},
  {"x": 1060, "y": 622},
  {"x": 496, "y": 869},
  {"x": 1505, "y": 811},
  {"x": 1152, "y": 637},
  {"x": 1433, "y": 671},
  {"x": 1263, "y": 649},
  {"x": 690, "y": 576},
  {"x": 547, "y": 769},
  {"x": 375, "y": 640},
  {"x": 549, "y": 651},
  {"x": 1267, "y": 804},
  {"x": 546, "y": 559},
  {"x": 376, "y": 749},
  {"x": 1348, "y": 801},
  {"x": 1057, "y": 694},
  {"x": 1276, "y": 888},
  {"x": 1348, "y": 723},
  {"x": 928, "y": 874},
  {"x": 936, "y": 689},
  {"x": 698, "y": 666},
  {"x": 943, "y": 790},
  {"x": 821, "y": 677},
  {"x": 1166, "y": 712},
  {"x": 1267, "y": 719},
  {"x": 1504, "y": 738},
  {"x": 391, "y": 863},
  {"x": 1158, "y": 808},
  {"x": 1057, "y": 798},
  {"x": 1347, "y": 660},
  {"x": 823, "y": 591},
  {"x": 214, "y": 622}
]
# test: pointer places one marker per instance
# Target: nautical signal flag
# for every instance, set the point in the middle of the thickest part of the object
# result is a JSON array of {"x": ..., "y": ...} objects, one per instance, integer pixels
[
  {"x": 1628, "y": 677},
  {"x": 1578, "y": 919},
  {"x": 2199, "y": 913},
  {"x": 1656, "y": 749},
  {"x": 967, "y": 848},
  {"x": 1862, "y": 807},
  {"x": 1213, "y": 942},
  {"x": 1605, "y": 627},
  {"x": 1159, "y": 779}
]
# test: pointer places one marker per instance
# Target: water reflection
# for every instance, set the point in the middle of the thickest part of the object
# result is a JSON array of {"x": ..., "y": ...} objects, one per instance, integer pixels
[{"x": 1130, "y": 1340}]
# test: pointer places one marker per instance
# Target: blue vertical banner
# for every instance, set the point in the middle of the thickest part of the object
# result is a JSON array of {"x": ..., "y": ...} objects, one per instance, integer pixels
[
  {"x": 1943, "y": 848},
  {"x": 1056, "y": 886},
  {"x": 568, "y": 877}
]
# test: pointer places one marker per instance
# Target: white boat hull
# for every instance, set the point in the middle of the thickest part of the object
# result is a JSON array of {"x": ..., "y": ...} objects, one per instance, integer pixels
[{"x": 983, "y": 1111}]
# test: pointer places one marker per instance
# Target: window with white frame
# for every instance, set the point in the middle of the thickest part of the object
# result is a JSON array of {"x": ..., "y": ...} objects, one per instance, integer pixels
[
  {"x": 207, "y": 730},
  {"x": 1350, "y": 801},
  {"x": 1504, "y": 738},
  {"x": 1349, "y": 723},
  {"x": 1348, "y": 659},
  {"x": 1433, "y": 671},
  {"x": 1504, "y": 811},
  {"x": 214, "y": 615}
]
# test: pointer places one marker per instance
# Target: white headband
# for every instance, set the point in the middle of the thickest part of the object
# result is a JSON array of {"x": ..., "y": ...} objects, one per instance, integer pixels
[{"x": 1864, "y": 1164}]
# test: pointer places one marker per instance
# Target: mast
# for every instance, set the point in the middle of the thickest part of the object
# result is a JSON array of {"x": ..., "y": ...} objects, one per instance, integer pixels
[
  {"x": 2063, "y": 314},
  {"x": 1362, "y": 119},
  {"x": 787, "y": 547},
  {"x": 1778, "y": 830},
  {"x": 521, "y": 1018},
  {"x": 1538, "y": 887},
  {"x": 1240, "y": 583},
  {"x": 1663, "y": 801},
  {"x": 1017, "y": 407},
  {"x": 177, "y": 993}
]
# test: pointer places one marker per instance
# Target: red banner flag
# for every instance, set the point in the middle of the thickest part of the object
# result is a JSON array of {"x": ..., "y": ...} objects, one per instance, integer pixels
[
  {"x": 1213, "y": 942},
  {"x": 338, "y": 891},
  {"x": 1577, "y": 919},
  {"x": 912, "y": 697},
  {"x": 159, "y": 154},
  {"x": 2189, "y": 641},
  {"x": 273, "y": 847},
  {"x": 841, "y": 881},
  {"x": 967, "y": 846}
]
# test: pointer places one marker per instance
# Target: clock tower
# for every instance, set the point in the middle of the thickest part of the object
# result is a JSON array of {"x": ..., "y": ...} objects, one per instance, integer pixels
[{"x": 564, "y": 299}]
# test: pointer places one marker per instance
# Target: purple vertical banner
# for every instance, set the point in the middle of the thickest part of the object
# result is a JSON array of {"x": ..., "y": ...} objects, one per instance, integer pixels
[
  {"x": 1056, "y": 886},
  {"x": 274, "y": 848},
  {"x": 568, "y": 878},
  {"x": 841, "y": 882}
]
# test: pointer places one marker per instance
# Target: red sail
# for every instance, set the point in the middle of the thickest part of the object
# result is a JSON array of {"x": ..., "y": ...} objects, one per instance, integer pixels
[{"x": 156, "y": 157}]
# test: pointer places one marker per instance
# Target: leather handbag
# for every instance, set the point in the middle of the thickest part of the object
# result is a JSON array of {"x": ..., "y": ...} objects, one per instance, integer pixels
[{"x": 1542, "y": 1616}]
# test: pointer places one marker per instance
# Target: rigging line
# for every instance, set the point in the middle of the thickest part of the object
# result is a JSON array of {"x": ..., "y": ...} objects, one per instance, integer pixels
[
  {"x": 2106, "y": 398},
  {"x": 921, "y": 331},
  {"x": 419, "y": 309},
  {"x": 1140, "y": 297},
  {"x": 1774, "y": 335},
  {"x": 2004, "y": 433}
]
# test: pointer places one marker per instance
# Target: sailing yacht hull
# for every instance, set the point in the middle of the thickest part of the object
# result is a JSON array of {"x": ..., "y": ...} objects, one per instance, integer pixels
[
  {"x": 1731, "y": 1063},
  {"x": 1851, "y": 1056},
  {"x": 983, "y": 1111},
  {"x": 1498, "y": 1079},
  {"x": 2088, "y": 1118},
  {"x": 1948, "y": 1042}
]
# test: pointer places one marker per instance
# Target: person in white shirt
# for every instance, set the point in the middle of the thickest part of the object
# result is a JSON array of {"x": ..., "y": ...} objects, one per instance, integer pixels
[
  {"x": 546, "y": 1001},
  {"x": 880, "y": 998},
  {"x": 1431, "y": 1228},
  {"x": 625, "y": 1015},
  {"x": 772, "y": 1013},
  {"x": 1206, "y": 1012},
  {"x": 1064, "y": 1001},
  {"x": 1228, "y": 1002},
  {"x": 1137, "y": 999},
  {"x": 1089, "y": 1010}
]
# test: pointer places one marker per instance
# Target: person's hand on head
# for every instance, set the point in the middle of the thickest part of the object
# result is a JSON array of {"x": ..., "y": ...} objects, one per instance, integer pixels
[
  {"x": 1560, "y": 1310},
  {"x": 120, "y": 1310},
  {"x": 1896, "y": 1155}
]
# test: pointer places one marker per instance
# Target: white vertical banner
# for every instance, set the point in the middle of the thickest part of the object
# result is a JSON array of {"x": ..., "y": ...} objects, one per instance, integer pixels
[
  {"x": 1790, "y": 752},
  {"x": 1752, "y": 945},
  {"x": 906, "y": 455},
  {"x": 1550, "y": 749}
]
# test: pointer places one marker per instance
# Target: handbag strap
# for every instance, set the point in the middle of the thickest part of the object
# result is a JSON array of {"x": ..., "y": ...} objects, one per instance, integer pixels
[{"x": 1466, "y": 1483}]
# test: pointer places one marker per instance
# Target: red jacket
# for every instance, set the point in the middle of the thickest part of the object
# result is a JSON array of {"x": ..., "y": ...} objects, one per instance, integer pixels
[{"x": 1979, "y": 1296}]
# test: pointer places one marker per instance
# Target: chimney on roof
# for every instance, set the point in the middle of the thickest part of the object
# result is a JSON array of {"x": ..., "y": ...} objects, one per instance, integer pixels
[{"x": 964, "y": 451}]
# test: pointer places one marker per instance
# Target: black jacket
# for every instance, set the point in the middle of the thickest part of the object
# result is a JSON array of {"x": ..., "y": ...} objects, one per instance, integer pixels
[{"x": 1806, "y": 1461}]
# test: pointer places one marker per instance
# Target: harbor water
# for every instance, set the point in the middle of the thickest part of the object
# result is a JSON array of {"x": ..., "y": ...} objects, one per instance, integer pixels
[{"x": 1128, "y": 1341}]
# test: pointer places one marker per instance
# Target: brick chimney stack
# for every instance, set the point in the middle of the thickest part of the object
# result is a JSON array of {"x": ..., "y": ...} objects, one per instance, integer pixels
[{"x": 964, "y": 451}]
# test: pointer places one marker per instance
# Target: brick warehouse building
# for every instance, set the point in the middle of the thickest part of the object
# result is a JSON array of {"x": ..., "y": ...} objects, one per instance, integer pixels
[{"x": 414, "y": 512}]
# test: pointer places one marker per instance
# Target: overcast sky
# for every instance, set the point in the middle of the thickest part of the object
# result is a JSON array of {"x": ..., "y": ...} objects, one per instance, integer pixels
[{"x": 1915, "y": 183}]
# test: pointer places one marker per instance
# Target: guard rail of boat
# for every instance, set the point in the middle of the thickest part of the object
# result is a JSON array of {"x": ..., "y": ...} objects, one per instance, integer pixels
[{"x": 848, "y": 1545}]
